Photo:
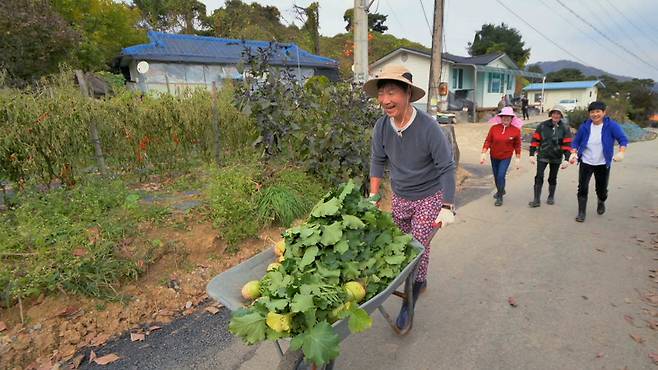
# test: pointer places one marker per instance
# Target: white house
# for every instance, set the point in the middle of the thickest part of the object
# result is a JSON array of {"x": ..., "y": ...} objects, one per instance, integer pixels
[
  {"x": 475, "y": 82},
  {"x": 578, "y": 93},
  {"x": 177, "y": 62}
]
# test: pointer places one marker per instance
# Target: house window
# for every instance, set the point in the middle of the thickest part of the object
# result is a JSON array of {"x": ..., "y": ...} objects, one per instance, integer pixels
[
  {"x": 495, "y": 83},
  {"x": 457, "y": 78},
  {"x": 509, "y": 82},
  {"x": 537, "y": 97}
]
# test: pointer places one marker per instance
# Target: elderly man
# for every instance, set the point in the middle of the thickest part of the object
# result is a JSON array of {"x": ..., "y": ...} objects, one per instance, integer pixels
[
  {"x": 552, "y": 143},
  {"x": 593, "y": 147},
  {"x": 419, "y": 157}
]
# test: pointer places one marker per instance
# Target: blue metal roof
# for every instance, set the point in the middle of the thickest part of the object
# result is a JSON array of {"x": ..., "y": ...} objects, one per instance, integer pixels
[
  {"x": 167, "y": 47},
  {"x": 564, "y": 85}
]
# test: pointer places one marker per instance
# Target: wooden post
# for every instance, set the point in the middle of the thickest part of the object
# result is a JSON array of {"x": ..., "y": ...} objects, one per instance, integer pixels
[
  {"x": 93, "y": 130},
  {"x": 215, "y": 124}
]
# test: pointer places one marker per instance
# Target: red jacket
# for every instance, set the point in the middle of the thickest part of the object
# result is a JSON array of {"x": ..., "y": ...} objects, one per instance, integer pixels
[{"x": 503, "y": 141}]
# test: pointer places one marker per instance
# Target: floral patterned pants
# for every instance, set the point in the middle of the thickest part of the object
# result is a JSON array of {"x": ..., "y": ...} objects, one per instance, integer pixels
[{"x": 416, "y": 217}]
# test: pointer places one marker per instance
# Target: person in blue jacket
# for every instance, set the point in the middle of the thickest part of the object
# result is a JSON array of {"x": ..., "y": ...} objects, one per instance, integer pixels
[{"x": 593, "y": 147}]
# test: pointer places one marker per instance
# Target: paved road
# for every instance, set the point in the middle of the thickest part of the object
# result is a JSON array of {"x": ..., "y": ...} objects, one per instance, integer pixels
[{"x": 574, "y": 285}]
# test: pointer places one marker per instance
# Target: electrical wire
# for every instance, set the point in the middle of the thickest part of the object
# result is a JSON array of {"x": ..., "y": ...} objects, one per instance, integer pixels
[
  {"x": 622, "y": 47},
  {"x": 622, "y": 29},
  {"x": 633, "y": 23},
  {"x": 540, "y": 33},
  {"x": 426, "y": 20}
]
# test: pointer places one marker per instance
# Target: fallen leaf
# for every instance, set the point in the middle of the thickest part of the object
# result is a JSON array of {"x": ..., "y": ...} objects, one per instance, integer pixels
[
  {"x": 79, "y": 252},
  {"x": 600, "y": 354},
  {"x": 100, "y": 340},
  {"x": 68, "y": 311},
  {"x": 600, "y": 250},
  {"x": 512, "y": 301},
  {"x": 212, "y": 310},
  {"x": 107, "y": 359},
  {"x": 654, "y": 357},
  {"x": 653, "y": 298},
  {"x": 653, "y": 324},
  {"x": 92, "y": 356},
  {"x": 75, "y": 363},
  {"x": 3, "y": 326},
  {"x": 154, "y": 328},
  {"x": 188, "y": 305},
  {"x": 134, "y": 337},
  {"x": 637, "y": 338},
  {"x": 628, "y": 300},
  {"x": 165, "y": 313},
  {"x": 629, "y": 319},
  {"x": 584, "y": 297}
]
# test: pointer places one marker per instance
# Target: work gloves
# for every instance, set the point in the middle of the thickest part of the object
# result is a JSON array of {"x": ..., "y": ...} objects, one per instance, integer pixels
[
  {"x": 533, "y": 160},
  {"x": 445, "y": 217},
  {"x": 573, "y": 158},
  {"x": 483, "y": 158},
  {"x": 618, "y": 157},
  {"x": 564, "y": 165}
]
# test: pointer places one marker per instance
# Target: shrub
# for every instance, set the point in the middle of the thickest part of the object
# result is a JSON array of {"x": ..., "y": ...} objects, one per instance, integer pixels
[
  {"x": 232, "y": 194},
  {"x": 66, "y": 239}
]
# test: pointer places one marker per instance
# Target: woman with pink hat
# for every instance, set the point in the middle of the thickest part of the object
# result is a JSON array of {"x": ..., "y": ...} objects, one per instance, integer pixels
[{"x": 503, "y": 140}]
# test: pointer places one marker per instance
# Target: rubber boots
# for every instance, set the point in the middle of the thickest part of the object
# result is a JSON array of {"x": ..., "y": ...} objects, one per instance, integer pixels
[
  {"x": 600, "y": 208},
  {"x": 536, "y": 202},
  {"x": 551, "y": 194},
  {"x": 403, "y": 317},
  {"x": 582, "y": 206}
]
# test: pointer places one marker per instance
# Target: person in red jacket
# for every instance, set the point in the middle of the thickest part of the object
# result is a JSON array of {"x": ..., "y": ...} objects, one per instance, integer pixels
[{"x": 503, "y": 140}]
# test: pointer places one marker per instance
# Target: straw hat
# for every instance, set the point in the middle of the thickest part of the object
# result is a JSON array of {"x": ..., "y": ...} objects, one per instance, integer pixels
[{"x": 393, "y": 72}]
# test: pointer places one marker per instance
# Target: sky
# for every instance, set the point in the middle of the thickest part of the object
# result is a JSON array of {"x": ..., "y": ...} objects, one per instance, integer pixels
[{"x": 620, "y": 37}]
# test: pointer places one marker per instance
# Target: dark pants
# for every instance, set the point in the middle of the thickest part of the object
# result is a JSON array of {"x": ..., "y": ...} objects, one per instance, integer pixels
[
  {"x": 552, "y": 173},
  {"x": 601, "y": 176},
  {"x": 525, "y": 112},
  {"x": 499, "y": 167}
]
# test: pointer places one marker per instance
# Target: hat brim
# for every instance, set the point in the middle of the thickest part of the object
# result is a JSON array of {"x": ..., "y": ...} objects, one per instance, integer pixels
[
  {"x": 370, "y": 87},
  {"x": 550, "y": 112}
]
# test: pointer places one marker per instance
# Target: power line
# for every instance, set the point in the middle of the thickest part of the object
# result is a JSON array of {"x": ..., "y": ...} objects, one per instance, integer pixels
[
  {"x": 425, "y": 14},
  {"x": 632, "y": 23},
  {"x": 623, "y": 30},
  {"x": 605, "y": 36},
  {"x": 539, "y": 32},
  {"x": 394, "y": 16}
]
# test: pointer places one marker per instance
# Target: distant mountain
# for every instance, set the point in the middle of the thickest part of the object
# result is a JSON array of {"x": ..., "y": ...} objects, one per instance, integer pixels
[{"x": 557, "y": 65}]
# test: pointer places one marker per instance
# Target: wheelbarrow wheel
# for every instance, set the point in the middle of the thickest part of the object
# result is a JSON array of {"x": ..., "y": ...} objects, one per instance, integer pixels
[{"x": 294, "y": 360}]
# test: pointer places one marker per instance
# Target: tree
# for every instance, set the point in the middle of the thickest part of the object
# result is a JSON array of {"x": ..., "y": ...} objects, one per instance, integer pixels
[
  {"x": 105, "y": 28},
  {"x": 375, "y": 21},
  {"x": 565, "y": 74},
  {"x": 182, "y": 16},
  {"x": 311, "y": 18},
  {"x": 500, "y": 38},
  {"x": 535, "y": 68},
  {"x": 35, "y": 39}
]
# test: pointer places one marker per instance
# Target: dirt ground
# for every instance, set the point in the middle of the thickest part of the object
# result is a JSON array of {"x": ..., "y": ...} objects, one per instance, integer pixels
[{"x": 51, "y": 330}]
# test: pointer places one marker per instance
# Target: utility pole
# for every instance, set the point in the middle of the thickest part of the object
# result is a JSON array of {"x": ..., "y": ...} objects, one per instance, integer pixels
[
  {"x": 435, "y": 64},
  {"x": 360, "y": 29},
  {"x": 436, "y": 102}
]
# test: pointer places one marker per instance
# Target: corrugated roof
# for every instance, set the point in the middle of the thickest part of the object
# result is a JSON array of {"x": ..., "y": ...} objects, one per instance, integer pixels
[
  {"x": 477, "y": 60},
  {"x": 213, "y": 50},
  {"x": 564, "y": 85}
]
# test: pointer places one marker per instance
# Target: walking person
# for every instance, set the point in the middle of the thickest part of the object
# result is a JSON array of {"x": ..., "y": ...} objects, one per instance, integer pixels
[
  {"x": 552, "y": 144},
  {"x": 419, "y": 157},
  {"x": 502, "y": 103},
  {"x": 593, "y": 148},
  {"x": 524, "y": 107},
  {"x": 503, "y": 140}
]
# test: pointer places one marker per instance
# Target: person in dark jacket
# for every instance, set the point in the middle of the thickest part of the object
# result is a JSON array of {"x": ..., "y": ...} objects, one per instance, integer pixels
[
  {"x": 524, "y": 107},
  {"x": 594, "y": 147},
  {"x": 552, "y": 143}
]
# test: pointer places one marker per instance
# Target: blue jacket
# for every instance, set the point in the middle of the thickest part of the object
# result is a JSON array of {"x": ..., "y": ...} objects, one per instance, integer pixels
[{"x": 611, "y": 131}]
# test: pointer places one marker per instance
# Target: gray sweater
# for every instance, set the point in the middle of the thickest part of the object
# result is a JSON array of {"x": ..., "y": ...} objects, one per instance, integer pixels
[{"x": 420, "y": 160}]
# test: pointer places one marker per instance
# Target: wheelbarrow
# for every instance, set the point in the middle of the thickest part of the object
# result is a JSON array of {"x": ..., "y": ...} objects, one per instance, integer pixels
[{"x": 226, "y": 289}]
